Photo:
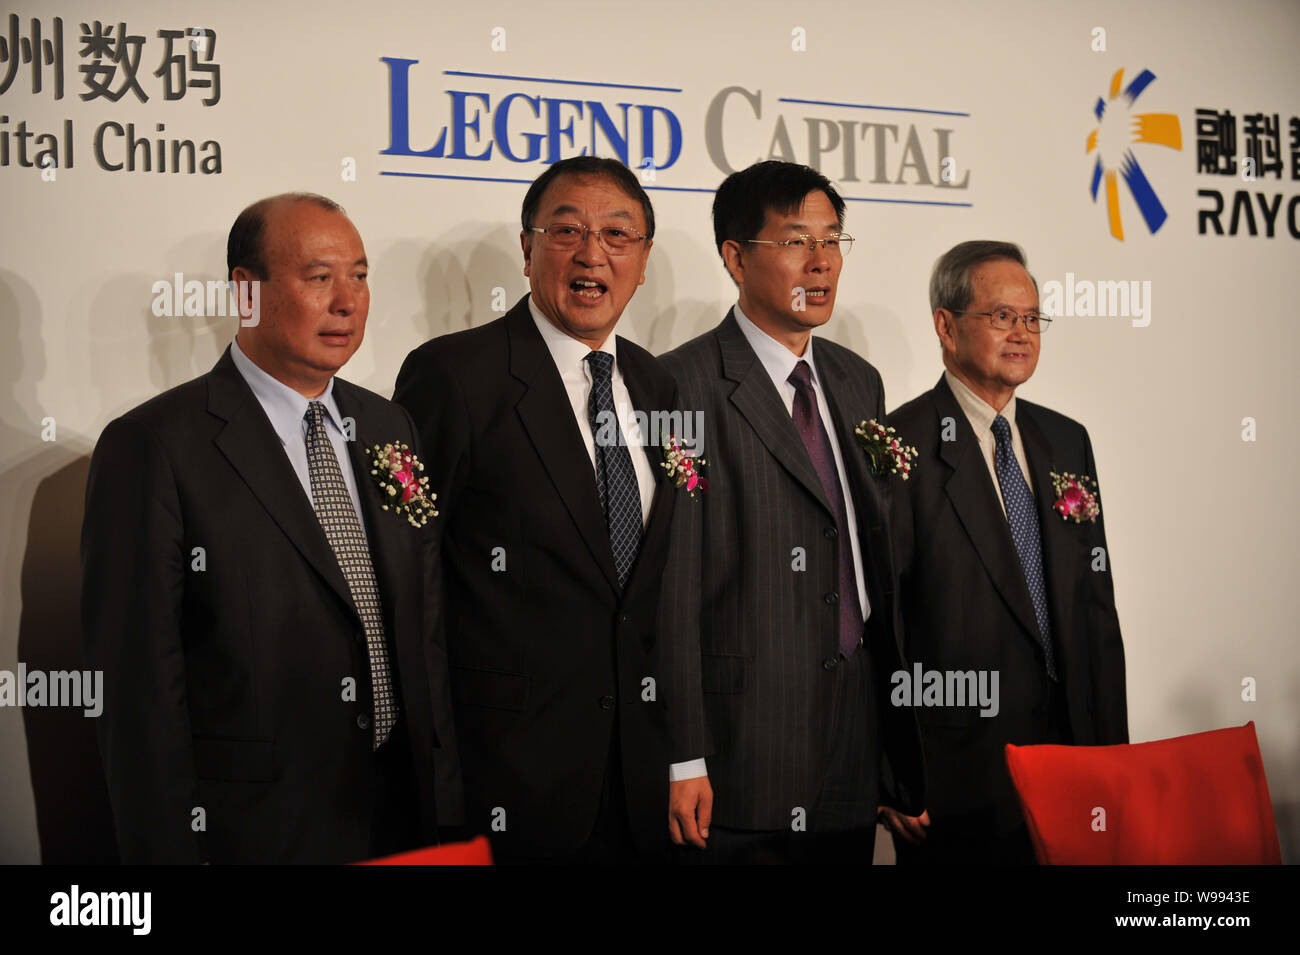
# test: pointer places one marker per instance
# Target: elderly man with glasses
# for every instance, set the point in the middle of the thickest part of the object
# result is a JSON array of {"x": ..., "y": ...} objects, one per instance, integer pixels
[
  {"x": 1003, "y": 565},
  {"x": 554, "y": 512},
  {"x": 778, "y": 618}
]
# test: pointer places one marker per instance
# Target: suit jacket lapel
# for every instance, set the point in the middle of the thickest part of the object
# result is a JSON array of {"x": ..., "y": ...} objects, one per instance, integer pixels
[
  {"x": 975, "y": 499},
  {"x": 1056, "y": 558},
  {"x": 868, "y": 492},
  {"x": 544, "y": 411},
  {"x": 636, "y": 377},
  {"x": 757, "y": 400},
  {"x": 253, "y": 449},
  {"x": 868, "y": 501}
]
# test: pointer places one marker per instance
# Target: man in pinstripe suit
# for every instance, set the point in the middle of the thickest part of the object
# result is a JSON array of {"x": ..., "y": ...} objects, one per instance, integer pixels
[{"x": 778, "y": 614}]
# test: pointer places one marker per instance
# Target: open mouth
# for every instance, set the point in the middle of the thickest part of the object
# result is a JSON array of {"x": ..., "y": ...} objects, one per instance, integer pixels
[
  {"x": 817, "y": 296},
  {"x": 588, "y": 289}
]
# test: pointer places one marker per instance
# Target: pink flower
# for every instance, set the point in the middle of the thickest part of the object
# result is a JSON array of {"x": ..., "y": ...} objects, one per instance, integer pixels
[{"x": 1075, "y": 501}]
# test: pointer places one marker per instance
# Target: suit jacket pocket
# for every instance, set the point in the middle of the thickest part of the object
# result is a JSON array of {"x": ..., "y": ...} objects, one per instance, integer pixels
[
  {"x": 248, "y": 760},
  {"x": 499, "y": 689},
  {"x": 722, "y": 673}
]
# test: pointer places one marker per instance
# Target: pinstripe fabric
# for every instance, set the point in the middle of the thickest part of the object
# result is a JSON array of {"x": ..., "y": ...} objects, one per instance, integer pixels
[{"x": 751, "y": 649}]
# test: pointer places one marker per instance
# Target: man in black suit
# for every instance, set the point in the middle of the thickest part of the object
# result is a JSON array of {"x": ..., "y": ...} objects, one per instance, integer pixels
[
  {"x": 778, "y": 607},
  {"x": 1003, "y": 568},
  {"x": 257, "y": 605},
  {"x": 555, "y": 533}
]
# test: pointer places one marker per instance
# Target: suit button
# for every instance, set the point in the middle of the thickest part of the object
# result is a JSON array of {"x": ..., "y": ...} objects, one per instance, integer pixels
[
  {"x": 363, "y": 721},
  {"x": 830, "y": 663},
  {"x": 606, "y": 702},
  {"x": 832, "y": 598},
  {"x": 830, "y": 533},
  {"x": 624, "y": 618}
]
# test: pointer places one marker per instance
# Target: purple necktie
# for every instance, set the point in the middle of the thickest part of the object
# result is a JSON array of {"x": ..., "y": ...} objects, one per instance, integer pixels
[{"x": 808, "y": 421}]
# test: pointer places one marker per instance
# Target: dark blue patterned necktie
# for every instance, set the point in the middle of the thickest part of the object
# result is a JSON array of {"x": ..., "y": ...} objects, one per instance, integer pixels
[
  {"x": 1022, "y": 515},
  {"x": 808, "y": 422},
  {"x": 620, "y": 497}
]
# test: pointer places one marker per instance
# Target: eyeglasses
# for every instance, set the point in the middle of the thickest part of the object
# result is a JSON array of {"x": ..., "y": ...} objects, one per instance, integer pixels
[
  {"x": 570, "y": 235},
  {"x": 1004, "y": 319},
  {"x": 837, "y": 243}
]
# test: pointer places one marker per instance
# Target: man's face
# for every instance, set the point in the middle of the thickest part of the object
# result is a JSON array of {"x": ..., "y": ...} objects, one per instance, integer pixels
[
  {"x": 782, "y": 289},
  {"x": 993, "y": 363},
  {"x": 314, "y": 298},
  {"x": 584, "y": 290}
]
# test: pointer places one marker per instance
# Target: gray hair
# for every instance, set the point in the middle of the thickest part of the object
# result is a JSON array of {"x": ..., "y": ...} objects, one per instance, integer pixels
[{"x": 950, "y": 284}]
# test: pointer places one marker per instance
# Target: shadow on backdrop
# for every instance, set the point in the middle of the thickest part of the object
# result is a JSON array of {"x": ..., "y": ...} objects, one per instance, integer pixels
[{"x": 45, "y": 481}]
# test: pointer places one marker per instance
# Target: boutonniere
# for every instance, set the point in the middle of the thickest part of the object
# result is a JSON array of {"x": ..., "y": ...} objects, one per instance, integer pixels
[
  {"x": 396, "y": 470},
  {"x": 684, "y": 467},
  {"x": 1074, "y": 502},
  {"x": 887, "y": 453}
]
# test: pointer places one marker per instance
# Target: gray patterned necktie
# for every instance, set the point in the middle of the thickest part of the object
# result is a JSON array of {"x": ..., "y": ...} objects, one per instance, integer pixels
[
  {"x": 620, "y": 496},
  {"x": 338, "y": 518},
  {"x": 1022, "y": 515}
]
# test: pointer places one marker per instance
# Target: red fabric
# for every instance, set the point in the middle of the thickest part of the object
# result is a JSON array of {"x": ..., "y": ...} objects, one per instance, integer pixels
[
  {"x": 475, "y": 852},
  {"x": 1192, "y": 800}
]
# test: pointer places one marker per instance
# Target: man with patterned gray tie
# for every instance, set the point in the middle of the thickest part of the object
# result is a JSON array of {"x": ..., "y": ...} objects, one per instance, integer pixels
[
  {"x": 554, "y": 534},
  {"x": 1003, "y": 564},
  {"x": 257, "y": 603}
]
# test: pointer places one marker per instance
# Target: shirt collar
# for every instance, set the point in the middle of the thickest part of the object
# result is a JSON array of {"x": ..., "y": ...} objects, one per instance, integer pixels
[
  {"x": 284, "y": 406},
  {"x": 978, "y": 411},
  {"x": 569, "y": 354},
  {"x": 775, "y": 357}
]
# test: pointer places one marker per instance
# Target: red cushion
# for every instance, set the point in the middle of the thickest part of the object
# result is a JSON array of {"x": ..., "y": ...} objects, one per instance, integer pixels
[
  {"x": 475, "y": 852},
  {"x": 1192, "y": 800}
]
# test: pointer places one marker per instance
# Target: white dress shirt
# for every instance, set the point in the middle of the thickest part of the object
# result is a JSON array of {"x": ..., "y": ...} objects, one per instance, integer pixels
[
  {"x": 570, "y": 357},
  {"x": 779, "y": 362},
  {"x": 980, "y": 414},
  {"x": 288, "y": 413}
]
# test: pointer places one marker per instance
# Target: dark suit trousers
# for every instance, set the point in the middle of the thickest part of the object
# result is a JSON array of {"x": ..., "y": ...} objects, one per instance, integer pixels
[
  {"x": 610, "y": 842},
  {"x": 976, "y": 839},
  {"x": 841, "y": 821},
  {"x": 395, "y": 825}
]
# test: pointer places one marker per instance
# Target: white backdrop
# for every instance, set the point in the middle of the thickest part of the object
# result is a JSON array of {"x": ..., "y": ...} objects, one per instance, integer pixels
[{"x": 1202, "y": 532}]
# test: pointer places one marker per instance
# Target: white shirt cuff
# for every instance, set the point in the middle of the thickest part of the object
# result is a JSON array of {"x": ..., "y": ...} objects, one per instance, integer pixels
[{"x": 691, "y": 769}]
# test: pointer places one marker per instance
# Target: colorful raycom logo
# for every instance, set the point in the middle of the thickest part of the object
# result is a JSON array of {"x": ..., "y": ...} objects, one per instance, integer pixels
[{"x": 1163, "y": 129}]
